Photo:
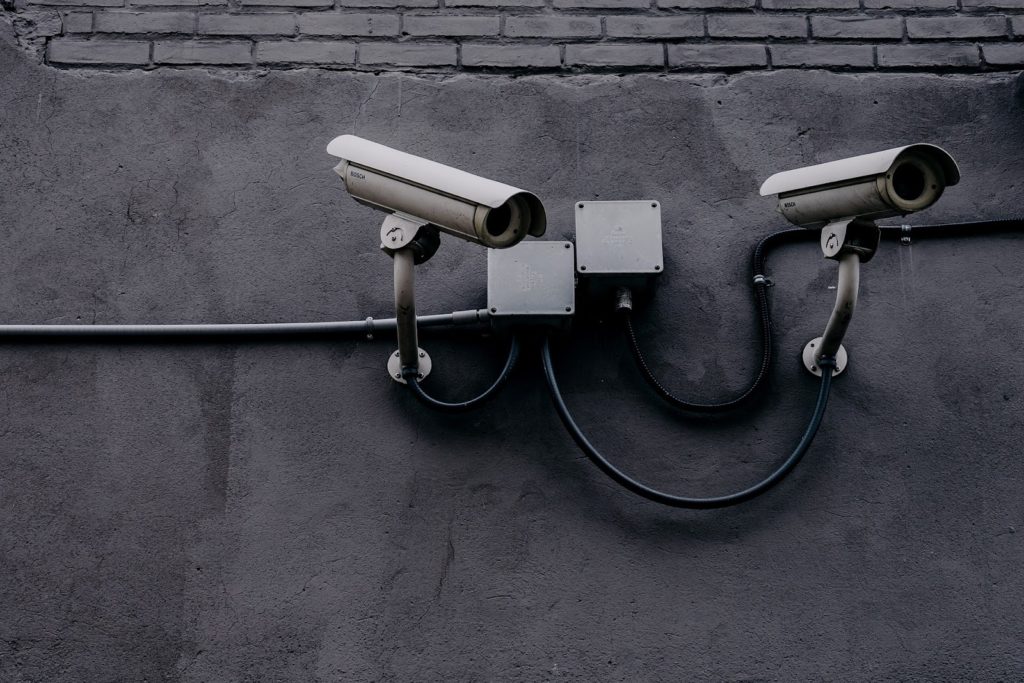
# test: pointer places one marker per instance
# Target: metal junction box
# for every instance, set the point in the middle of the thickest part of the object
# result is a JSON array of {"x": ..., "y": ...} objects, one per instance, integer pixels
[
  {"x": 618, "y": 244},
  {"x": 532, "y": 283}
]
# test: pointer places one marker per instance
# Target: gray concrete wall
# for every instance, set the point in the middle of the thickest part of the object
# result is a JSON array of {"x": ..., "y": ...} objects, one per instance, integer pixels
[{"x": 283, "y": 511}]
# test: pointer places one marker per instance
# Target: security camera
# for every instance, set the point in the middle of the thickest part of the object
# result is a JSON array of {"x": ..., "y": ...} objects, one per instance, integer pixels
[
  {"x": 844, "y": 198},
  {"x": 426, "y": 192},
  {"x": 893, "y": 182},
  {"x": 421, "y": 197}
]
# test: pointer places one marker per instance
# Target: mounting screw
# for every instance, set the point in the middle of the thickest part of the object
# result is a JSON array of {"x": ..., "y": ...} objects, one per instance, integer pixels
[
  {"x": 567, "y": 245},
  {"x": 398, "y": 375},
  {"x": 654, "y": 205},
  {"x": 580, "y": 205},
  {"x": 494, "y": 310},
  {"x": 568, "y": 309},
  {"x": 422, "y": 355},
  {"x": 657, "y": 267},
  {"x": 583, "y": 267}
]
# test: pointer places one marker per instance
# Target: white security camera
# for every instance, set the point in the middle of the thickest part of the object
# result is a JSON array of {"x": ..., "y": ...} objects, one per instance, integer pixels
[
  {"x": 422, "y": 197},
  {"x": 422, "y": 191},
  {"x": 893, "y": 182},
  {"x": 844, "y": 198}
]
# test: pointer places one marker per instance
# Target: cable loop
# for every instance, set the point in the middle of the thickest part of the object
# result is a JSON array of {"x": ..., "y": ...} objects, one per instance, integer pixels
[
  {"x": 409, "y": 374},
  {"x": 672, "y": 500}
]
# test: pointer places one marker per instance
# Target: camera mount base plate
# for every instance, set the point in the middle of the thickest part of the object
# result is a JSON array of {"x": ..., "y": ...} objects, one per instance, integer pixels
[
  {"x": 810, "y": 358},
  {"x": 395, "y": 366}
]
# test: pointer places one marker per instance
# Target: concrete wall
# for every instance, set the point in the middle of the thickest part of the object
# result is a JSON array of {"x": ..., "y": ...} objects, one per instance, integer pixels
[{"x": 283, "y": 511}]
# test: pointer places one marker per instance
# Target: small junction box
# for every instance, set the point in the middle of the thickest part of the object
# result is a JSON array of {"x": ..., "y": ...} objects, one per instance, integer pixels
[{"x": 532, "y": 283}]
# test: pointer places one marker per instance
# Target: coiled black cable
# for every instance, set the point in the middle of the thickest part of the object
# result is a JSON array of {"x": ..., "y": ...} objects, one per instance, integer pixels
[
  {"x": 410, "y": 377},
  {"x": 760, "y": 284},
  {"x": 627, "y": 482}
]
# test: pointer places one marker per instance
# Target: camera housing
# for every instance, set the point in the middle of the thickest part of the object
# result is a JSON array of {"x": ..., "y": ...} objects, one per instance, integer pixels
[
  {"x": 456, "y": 202},
  {"x": 893, "y": 182}
]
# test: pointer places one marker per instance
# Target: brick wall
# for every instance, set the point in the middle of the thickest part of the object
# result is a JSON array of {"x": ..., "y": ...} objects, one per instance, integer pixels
[{"x": 526, "y": 35}]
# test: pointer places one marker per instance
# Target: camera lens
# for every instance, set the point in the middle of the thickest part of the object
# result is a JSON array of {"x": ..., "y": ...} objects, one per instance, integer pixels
[
  {"x": 909, "y": 181},
  {"x": 498, "y": 220}
]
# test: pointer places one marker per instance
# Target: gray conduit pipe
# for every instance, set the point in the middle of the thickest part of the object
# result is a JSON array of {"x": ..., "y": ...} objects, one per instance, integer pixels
[{"x": 368, "y": 327}]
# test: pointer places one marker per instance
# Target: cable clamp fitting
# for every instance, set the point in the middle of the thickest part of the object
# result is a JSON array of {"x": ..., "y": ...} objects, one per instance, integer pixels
[
  {"x": 762, "y": 280},
  {"x": 623, "y": 300},
  {"x": 369, "y": 327},
  {"x": 905, "y": 235}
]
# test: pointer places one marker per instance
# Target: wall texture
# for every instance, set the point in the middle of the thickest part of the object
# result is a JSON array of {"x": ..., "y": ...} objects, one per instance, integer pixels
[
  {"x": 282, "y": 511},
  {"x": 528, "y": 35}
]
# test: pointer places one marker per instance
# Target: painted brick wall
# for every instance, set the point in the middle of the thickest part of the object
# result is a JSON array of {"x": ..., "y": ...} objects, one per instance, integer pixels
[{"x": 527, "y": 35}]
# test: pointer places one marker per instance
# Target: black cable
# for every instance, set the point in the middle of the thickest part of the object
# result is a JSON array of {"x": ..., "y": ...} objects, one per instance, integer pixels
[
  {"x": 760, "y": 284},
  {"x": 993, "y": 226},
  {"x": 410, "y": 377},
  {"x": 669, "y": 499}
]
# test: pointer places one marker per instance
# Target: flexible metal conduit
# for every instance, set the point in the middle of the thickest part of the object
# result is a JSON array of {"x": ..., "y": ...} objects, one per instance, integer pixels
[
  {"x": 760, "y": 285},
  {"x": 894, "y": 233},
  {"x": 672, "y": 500}
]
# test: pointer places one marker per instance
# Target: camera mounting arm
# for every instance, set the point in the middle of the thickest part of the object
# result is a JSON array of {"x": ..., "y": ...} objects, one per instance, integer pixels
[
  {"x": 851, "y": 242},
  {"x": 409, "y": 242}
]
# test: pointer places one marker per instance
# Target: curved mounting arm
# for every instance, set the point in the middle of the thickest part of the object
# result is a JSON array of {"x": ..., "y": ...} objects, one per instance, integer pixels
[
  {"x": 405, "y": 308},
  {"x": 846, "y": 301},
  {"x": 407, "y": 242},
  {"x": 830, "y": 342},
  {"x": 409, "y": 358}
]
